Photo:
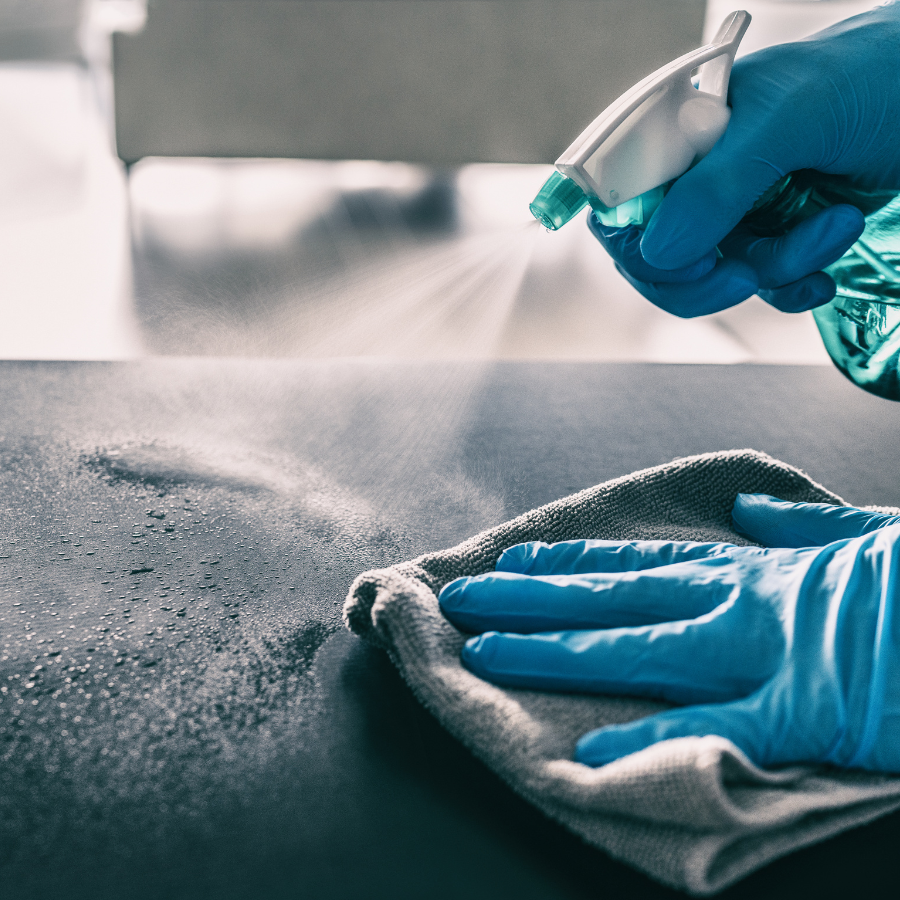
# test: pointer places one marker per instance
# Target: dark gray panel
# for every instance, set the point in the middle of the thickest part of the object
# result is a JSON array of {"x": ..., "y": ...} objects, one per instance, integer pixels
[{"x": 433, "y": 81}]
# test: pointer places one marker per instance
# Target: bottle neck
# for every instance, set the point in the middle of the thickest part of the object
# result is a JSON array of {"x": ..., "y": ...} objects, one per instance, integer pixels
[{"x": 800, "y": 195}]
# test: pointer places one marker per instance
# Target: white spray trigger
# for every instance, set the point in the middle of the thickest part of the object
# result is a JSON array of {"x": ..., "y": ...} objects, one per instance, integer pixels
[{"x": 662, "y": 126}]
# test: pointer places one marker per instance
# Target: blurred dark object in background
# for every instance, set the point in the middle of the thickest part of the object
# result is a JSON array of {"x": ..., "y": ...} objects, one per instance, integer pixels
[{"x": 41, "y": 29}]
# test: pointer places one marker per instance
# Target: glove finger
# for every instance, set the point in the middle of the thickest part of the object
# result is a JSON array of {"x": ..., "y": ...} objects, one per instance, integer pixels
[
  {"x": 507, "y": 601},
  {"x": 705, "y": 204},
  {"x": 731, "y": 282},
  {"x": 779, "y": 523},
  {"x": 742, "y": 722},
  {"x": 683, "y": 662},
  {"x": 624, "y": 246},
  {"x": 807, "y": 293},
  {"x": 814, "y": 244},
  {"x": 593, "y": 556}
]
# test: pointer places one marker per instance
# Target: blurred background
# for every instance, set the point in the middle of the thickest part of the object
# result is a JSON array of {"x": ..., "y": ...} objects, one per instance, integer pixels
[{"x": 335, "y": 177}]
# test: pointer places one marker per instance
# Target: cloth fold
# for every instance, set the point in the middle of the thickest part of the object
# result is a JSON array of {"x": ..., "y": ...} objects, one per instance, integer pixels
[{"x": 693, "y": 813}]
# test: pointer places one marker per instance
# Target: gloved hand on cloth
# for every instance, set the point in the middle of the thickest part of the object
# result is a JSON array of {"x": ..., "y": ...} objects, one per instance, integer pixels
[
  {"x": 790, "y": 650},
  {"x": 830, "y": 103}
]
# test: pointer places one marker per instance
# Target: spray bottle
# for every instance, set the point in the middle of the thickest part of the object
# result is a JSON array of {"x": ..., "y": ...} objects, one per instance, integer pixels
[{"x": 624, "y": 161}]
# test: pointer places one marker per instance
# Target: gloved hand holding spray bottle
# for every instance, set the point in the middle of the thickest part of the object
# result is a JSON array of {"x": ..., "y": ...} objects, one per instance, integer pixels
[{"x": 702, "y": 205}]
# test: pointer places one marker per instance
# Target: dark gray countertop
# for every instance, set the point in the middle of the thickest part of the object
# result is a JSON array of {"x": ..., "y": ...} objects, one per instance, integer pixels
[{"x": 182, "y": 714}]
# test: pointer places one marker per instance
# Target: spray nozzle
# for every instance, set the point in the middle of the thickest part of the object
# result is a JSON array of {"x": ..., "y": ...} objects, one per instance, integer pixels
[{"x": 558, "y": 201}]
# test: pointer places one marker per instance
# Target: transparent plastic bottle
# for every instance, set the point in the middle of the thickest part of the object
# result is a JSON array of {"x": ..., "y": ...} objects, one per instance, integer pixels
[{"x": 861, "y": 326}]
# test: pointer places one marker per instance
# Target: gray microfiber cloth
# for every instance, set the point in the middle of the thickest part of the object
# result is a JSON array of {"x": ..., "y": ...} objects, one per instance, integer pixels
[{"x": 693, "y": 813}]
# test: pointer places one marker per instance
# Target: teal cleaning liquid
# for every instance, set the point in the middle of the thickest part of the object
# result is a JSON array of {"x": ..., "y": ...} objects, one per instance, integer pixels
[{"x": 861, "y": 326}]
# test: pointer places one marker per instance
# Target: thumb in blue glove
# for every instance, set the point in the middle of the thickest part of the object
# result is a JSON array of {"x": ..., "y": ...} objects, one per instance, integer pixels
[{"x": 791, "y": 651}]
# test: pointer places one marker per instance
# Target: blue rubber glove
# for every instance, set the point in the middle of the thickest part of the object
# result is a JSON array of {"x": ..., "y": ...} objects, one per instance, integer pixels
[
  {"x": 791, "y": 651},
  {"x": 829, "y": 103}
]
